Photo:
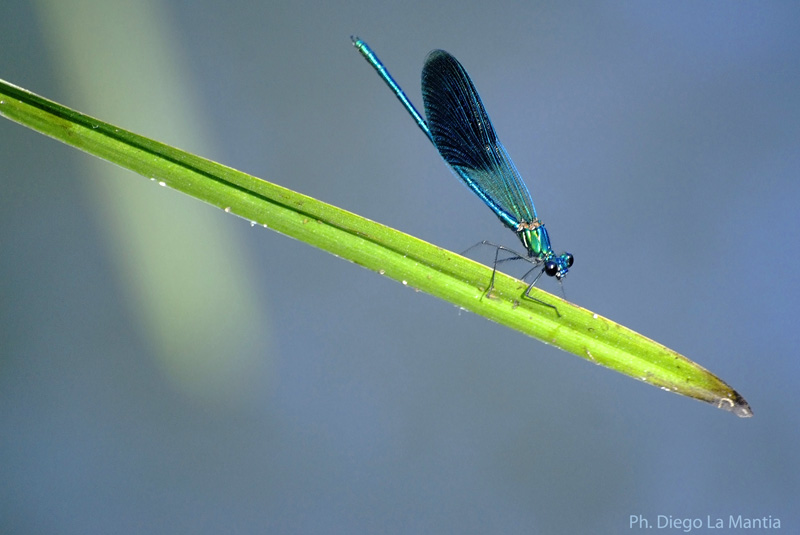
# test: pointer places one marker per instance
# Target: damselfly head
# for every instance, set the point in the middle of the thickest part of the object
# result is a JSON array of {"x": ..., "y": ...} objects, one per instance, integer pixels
[{"x": 558, "y": 266}]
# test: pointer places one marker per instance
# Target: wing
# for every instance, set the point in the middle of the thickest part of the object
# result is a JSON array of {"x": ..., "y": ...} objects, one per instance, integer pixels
[{"x": 465, "y": 137}]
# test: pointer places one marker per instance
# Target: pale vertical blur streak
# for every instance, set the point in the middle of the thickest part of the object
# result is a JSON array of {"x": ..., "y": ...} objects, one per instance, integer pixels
[{"x": 182, "y": 274}]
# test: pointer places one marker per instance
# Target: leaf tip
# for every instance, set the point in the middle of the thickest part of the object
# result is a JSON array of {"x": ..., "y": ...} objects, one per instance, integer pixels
[{"x": 735, "y": 404}]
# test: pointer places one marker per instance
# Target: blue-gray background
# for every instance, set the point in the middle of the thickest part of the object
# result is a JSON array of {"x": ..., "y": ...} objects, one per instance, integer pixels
[{"x": 186, "y": 373}]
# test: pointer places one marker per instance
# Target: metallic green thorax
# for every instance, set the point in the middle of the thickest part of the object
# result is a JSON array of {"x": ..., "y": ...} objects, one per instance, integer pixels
[
  {"x": 537, "y": 243},
  {"x": 535, "y": 239}
]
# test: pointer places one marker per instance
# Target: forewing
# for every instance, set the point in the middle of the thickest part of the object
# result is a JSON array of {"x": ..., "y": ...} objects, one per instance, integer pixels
[{"x": 466, "y": 139}]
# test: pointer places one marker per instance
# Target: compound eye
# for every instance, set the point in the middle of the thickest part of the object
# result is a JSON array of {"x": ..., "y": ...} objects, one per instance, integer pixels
[
  {"x": 551, "y": 268},
  {"x": 570, "y": 259}
]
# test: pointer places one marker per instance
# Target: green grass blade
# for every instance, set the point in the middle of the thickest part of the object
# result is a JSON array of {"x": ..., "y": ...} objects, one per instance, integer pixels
[{"x": 387, "y": 251}]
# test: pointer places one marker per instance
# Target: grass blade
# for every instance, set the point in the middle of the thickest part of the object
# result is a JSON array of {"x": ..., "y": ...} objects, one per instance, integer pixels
[{"x": 387, "y": 251}]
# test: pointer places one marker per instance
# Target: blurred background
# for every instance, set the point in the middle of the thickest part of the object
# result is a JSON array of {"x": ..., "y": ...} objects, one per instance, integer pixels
[{"x": 166, "y": 368}]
